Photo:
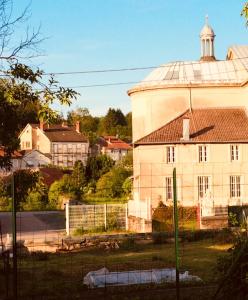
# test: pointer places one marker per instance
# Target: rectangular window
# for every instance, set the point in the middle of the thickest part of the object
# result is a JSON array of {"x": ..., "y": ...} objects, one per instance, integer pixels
[
  {"x": 170, "y": 154},
  {"x": 168, "y": 188},
  {"x": 203, "y": 153},
  {"x": 235, "y": 186},
  {"x": 235, "y": 152},
  {"x": 27, "y": 144},
  {"x": 64, "y": 148},
  {"x": 203, "y": 186}
]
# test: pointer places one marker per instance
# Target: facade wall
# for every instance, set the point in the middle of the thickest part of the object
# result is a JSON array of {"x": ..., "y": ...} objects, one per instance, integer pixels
[
  {"x": 115, "y": 154},
  {"x": 151, "y": 170},
  {"x": 41, "y": 142},
  {"x": 152, "y": 109},
  {"x": 26, "y": 142},
  {"x": 66, "y": 154}
]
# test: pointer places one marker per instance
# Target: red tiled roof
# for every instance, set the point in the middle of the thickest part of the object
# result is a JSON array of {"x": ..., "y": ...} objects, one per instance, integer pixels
[
  {"x": 59, "y": 133},
  {"x": 121, "y": 145},
  {"x": 112, "y": 142},
  {"x": 209, "y": 125},
  {"x": 15, "y": 154}
]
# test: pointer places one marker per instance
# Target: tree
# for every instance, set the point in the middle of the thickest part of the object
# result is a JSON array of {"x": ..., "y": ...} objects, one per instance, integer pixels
[
  {"x": 25, "y": 181},
  {"x": 244, "y": 12},
  {"x": 110, "y": 184},
  {"x": 5, "y": 199},
  {"x": 97, "y": 166},
  {"x": 20, "y": 85},
  {"x": 113, "y": 118},
  {"x": 127, "y": 186}
]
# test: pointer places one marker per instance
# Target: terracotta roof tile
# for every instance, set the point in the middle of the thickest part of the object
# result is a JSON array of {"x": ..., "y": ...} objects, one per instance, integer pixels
[
  {"x": 59, "y": 133},
  {"x": 15, "y": 154},
  {"x": 210, "y": 125},
  {"x": 112, "y": 142}
]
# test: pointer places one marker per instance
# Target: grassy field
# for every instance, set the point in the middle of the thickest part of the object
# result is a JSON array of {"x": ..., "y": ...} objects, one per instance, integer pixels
[{"x": 60, "y": 275}]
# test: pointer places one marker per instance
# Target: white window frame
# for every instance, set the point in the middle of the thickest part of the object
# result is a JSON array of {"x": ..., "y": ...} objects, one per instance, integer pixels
[
  {"x": 170, "y": 154},
  {"x": 235, "y": 186},
  {"x": 204, "y": 186},
  {"x": 168, "y": 184},
  {"x": 203, "y": 153},
  {"x": 235, "y": 152}
]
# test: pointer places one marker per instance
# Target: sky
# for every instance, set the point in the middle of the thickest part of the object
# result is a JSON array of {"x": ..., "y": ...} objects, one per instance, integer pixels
[{"x": 84, "y": 35}]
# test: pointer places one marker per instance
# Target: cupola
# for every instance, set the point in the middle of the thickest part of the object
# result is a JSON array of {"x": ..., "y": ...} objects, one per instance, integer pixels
[{"x": 207, "y": 42}]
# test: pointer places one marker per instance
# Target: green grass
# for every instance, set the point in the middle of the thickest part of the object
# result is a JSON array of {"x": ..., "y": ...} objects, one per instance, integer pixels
[{"x": 61, "y": 274}]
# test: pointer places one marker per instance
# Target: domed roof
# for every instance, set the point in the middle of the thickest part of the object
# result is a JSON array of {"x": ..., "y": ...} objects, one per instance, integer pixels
[
  {"x": 207, "y": 31},
  {"x": 204, "y": 73}
]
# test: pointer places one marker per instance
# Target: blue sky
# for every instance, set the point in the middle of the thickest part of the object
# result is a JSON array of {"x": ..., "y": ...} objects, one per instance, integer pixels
[{"x": 107, "y": 34}]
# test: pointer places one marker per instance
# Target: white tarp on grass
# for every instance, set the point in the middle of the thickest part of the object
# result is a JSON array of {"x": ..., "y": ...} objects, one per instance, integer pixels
[{"x": 103, "y": 278}]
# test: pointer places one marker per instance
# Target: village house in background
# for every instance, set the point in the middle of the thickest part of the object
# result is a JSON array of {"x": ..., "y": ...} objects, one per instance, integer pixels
[
  {"x": 64, "y": 145},
  {"x": 113, "y": 147},
  {"x": 192, "y": 116}
]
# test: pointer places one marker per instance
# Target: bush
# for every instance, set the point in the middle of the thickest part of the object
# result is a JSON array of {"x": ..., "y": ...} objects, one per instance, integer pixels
[{"x": 110, "y": 184}]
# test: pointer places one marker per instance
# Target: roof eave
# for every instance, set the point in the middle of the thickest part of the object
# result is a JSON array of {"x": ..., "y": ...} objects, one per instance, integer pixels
[
  {"x": 190, "y": 142},
  {"x": 185, "y": 85}
]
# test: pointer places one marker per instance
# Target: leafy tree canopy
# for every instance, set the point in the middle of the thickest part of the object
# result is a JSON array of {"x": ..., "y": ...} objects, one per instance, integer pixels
[{"x": 22, "y": 88}]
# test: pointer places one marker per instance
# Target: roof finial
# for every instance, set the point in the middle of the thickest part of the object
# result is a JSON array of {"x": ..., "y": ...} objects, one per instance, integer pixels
[{"x": 206, "y": 18}]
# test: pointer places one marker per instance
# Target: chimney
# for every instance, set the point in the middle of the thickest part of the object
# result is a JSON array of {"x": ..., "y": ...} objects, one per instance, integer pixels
[
  {"x": 78, "y": 126},
  {"x": 41, "y": 125},
  {"x": 185, "y": 129}
]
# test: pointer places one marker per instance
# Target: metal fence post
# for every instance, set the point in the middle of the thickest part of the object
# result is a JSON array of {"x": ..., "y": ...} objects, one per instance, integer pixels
[
  {"x": 105, "y": 216},
  {"x": 176, "y": 231},
  {"x": 126, "y": 216},
  {"x": 14, "y": 245},
  {"x": 67, "y": 218}
]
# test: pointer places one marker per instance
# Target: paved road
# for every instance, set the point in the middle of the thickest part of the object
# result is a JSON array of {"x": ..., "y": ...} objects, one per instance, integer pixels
[{"x": 34, "y": 223}]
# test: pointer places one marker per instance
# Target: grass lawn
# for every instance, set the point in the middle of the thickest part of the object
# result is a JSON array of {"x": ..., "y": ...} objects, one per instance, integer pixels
[{"x": 60, "y": 275}]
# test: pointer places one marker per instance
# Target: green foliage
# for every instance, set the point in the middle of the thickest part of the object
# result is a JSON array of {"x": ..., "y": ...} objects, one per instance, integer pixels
[
  {"x": 69, "y": 186},
  {"x": 162, "y": 219},
  {"x": 59, "y": 190},
  {"x": 25, "y": 182},
  {"x": 232, "y": 219},
  {"x": 5, "y": 199},
  {"x": 127, "y": 161},
  {"x": 97, "y": 166},
  {"x": 110, "y": 184},
  {"x": 127, "y": 186},
  {"x": 233, "y": 271},
  {"x": 244, "y": 12}
]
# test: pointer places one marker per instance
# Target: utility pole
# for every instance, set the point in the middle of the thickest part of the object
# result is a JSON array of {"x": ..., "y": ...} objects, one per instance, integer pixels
[
  {"x": 14, "y": 246},
  {"x": 176, "y": 231}
]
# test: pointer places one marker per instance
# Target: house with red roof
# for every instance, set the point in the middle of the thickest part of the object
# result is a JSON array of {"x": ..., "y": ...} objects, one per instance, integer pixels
[
  {"x": 63, "y": 144},
  {"x": 191, "y": 116},
  {"x": 208, "y": 147},
  {"x": 113, "y": 147}
]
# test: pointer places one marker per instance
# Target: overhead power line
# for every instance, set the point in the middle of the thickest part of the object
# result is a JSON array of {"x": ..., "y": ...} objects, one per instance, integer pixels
[{"x": 131, "y": 68}]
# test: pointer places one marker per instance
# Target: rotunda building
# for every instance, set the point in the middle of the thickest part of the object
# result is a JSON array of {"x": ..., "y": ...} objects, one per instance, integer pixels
[{"x": 174, "y": 87}]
